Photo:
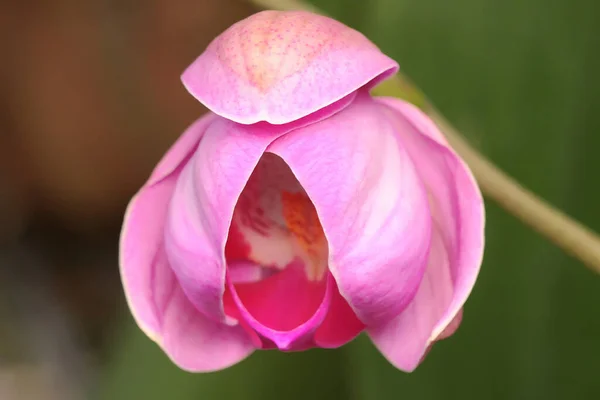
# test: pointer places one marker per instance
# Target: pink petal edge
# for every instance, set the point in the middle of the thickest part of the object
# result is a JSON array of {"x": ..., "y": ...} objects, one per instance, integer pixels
[
  {"x": 143, "y": 223},
  {"x": 340, "y": 326},
  {"x": 197, "y": 343},
  {"x": 190, "y": 339}
]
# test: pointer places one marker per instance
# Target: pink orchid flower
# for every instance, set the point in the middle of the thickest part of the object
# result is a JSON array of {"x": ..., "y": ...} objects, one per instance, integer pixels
[{"x": 300, "y": 211}]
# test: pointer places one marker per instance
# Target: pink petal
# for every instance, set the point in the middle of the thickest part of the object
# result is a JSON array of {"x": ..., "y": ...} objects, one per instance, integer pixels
[
  {"x": 244, "y": 272},
  {"x": 371, "y": 203},
  {"x": 140, "y": 238},
  {"x": 404, "y": 339},
  {"x": 340, "y": 325},
  {"x": 193, "y": 341},
  {"x": 285, "y": 308},
  {"x": 449, "y": 331},
  {"x": 201, "y": 208},
  {"x": 457, "y": 246},
  {"x": 202, "y": 204},
  {"x": 281, "y": 66},
  {"x": 142, "y": 232},
  {"x": 451, "y": 327},
  {"x": 232, "y": 310}
]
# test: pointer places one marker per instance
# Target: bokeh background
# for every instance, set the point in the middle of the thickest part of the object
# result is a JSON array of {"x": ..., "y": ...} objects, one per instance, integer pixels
[{"x": 90, "y": 98}]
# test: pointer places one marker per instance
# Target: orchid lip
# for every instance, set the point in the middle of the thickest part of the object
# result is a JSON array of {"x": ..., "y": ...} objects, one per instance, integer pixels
[{"x": 285, "y": 340}]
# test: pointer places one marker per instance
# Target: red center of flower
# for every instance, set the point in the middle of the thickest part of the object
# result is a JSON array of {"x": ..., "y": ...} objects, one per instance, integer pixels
[
  {"x": 276, "y": 250},
  {"x": 275, "y": 224}
]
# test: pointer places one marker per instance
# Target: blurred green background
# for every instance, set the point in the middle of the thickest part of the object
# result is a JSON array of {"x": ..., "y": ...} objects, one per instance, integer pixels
[{"x": 520, "y": 79}]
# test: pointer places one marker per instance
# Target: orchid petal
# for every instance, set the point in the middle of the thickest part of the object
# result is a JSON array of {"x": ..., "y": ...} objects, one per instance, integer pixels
[
  {"x": 370, "y": 202},
  {"x": 340, "y": 325},
  {"x": 142, "y": 232},
  {"x": 281, "y": 66},
  {"x": 201, "y": 209},
  {"x": 202, "y": 204},
  {"x": 140, "y": 238},
  {"x": 457, "y": 247},
  {"x": 197, "y": 343},
  {"x": 405, "y": 339}
]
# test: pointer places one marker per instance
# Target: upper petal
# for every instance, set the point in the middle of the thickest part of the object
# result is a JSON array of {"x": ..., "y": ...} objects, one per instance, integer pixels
[
  {"x": 371, "y": 204},
  {"x": 280, "y": 66},
  {"x": 457, "y": 249}
]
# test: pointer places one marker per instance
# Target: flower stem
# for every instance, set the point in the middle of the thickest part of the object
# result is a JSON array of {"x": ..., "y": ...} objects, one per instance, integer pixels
[
  {"x": 285, "y": 5},
  {"x": 568, "y": 234}
]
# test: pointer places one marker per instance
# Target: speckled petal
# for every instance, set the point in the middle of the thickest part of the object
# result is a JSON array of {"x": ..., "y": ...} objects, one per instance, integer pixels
[{"x": 280, "y": 66}]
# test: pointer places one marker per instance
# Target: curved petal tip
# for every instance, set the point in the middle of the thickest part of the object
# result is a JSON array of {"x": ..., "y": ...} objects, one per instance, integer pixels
[{"x": 279, "y": 66}]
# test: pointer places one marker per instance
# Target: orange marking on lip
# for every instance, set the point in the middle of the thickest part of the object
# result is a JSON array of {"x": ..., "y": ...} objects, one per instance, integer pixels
[{"x": 303, "y": 223}]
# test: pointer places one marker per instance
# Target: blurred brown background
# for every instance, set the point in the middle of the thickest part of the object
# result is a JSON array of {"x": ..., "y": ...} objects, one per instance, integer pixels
[{"x": 90, "y": 99}]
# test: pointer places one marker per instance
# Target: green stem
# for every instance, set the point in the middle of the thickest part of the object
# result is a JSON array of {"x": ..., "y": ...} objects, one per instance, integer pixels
[
  {"x": 568, "y": 234},
  {"x": 285, "y": 5}
]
